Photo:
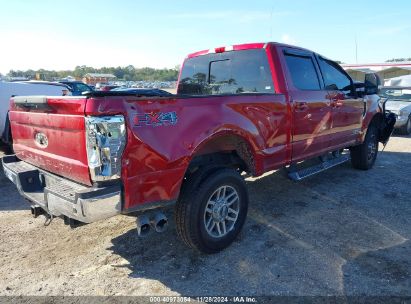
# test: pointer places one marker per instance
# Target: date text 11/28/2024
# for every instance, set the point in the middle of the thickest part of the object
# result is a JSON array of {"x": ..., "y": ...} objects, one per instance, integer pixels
[{"x": 205, "y": 299}]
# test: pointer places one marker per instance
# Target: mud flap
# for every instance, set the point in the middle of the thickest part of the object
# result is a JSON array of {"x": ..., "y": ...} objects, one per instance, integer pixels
[
  {"x": 386, "y": 128},
  {"x": 6, "y": 136}
]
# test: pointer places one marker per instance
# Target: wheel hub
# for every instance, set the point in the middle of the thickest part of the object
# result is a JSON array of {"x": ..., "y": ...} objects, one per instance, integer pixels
[{"x": 221, "y": 211}]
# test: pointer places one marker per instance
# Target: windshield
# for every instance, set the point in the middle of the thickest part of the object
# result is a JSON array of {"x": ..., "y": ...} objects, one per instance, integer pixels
[{"x": 402, "y": 94}]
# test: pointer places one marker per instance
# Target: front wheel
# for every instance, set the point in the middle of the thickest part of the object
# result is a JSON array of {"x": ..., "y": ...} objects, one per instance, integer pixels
[
  {"x": 211, "y": 213},
  {"x": 363, "y": 156}
]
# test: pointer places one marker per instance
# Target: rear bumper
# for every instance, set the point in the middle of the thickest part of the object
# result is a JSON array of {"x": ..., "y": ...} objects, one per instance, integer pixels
[{"x": 61, "y": 197}]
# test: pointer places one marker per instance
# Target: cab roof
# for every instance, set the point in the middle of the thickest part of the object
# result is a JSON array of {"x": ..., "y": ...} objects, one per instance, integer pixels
[{"x": 241, "y": 47}]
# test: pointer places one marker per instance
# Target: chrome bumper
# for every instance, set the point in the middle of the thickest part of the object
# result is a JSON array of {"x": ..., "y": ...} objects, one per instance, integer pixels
[{"x": 61, "y": 197}]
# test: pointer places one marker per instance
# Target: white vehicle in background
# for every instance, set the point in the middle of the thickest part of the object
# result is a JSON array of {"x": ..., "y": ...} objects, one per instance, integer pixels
[
  {"x": 9, "y": 89},
  {"x": 399, "y": 103}
]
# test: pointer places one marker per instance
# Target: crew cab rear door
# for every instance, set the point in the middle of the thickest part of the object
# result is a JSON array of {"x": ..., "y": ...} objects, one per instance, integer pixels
[
  {"x": 310, "y": 105},
  {"x": 346, "y": 108}
]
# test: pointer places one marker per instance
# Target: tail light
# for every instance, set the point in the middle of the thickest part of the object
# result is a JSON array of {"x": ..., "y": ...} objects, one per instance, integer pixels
[{"x": 106, "y": 139}]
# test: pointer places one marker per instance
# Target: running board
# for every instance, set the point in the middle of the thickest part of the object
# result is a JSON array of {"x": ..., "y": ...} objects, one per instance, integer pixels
[{"x": 307, "y": 172}]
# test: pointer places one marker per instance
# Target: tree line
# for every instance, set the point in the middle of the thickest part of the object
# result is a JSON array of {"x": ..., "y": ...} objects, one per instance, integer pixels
[
  {"x": 128, "y": 73},
  {"x": 398, "y": 60}
]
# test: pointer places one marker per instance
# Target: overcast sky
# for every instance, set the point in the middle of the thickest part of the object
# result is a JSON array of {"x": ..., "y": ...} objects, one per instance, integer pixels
[{"x": 62, "y": 34}]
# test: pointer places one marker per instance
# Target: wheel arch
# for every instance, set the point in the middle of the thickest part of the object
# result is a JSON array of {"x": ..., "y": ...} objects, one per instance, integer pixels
[
  {"x": 384, "y": 124},
  {"x": 225, "y": 149},
  {"x": 375, "y": 119}
]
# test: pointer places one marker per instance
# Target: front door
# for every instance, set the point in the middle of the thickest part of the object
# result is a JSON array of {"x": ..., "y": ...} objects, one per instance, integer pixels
[{"x": 347, "y": 108}]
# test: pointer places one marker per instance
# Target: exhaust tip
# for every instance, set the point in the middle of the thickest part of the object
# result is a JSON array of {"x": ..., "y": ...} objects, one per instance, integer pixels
[
  {"x": 160, "y": 222},
  {"x": 143, "y": 225}
]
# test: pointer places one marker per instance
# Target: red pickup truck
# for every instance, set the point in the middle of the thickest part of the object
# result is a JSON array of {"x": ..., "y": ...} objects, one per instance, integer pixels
[{"x": 244, "y": 109}]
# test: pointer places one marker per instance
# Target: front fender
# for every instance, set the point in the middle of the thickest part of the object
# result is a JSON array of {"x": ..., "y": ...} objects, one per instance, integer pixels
[{"x": 386, "y": 127}]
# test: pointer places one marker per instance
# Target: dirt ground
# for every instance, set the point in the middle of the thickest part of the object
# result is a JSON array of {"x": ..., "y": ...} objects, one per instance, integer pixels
[{"x": 342, "y": 232}]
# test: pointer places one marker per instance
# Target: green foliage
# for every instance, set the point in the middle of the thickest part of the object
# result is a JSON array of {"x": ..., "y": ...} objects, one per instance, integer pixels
[
  {"x": 398, "y": 60},
  {"x": 122, "y": 73}
]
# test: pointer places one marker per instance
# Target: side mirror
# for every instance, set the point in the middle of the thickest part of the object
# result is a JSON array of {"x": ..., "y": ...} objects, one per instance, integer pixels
[
  {"x": 332, "y": 87},
  {"x": 371, "y": 84}
]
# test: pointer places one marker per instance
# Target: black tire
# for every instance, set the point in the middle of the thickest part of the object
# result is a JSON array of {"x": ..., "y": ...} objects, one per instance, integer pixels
[
  {"x": 363, "y": 156},
  {"x": 406, "y": 130},
  {"x": 191, "y": 214}
]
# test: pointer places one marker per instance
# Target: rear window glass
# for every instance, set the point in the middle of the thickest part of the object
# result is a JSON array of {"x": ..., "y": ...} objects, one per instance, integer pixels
[
  {"x": 236, "y": 72},
  {"x": 303, "y": 73}
]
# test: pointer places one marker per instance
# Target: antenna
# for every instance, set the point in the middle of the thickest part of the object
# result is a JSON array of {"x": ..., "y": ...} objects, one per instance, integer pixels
[
  {"x": 271, "y": 23},
  {"x": 356, "y": 49}
]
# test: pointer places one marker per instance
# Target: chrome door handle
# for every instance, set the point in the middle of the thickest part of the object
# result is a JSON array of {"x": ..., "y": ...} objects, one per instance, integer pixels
[
  {"x": 301, "y": 106},
  {"x": 337, "y": 103}
]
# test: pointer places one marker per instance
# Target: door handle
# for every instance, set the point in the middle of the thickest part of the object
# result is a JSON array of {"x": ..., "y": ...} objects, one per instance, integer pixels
[
  {"x": 337, "y": 103},
  {"x": 301, "y": 106}
]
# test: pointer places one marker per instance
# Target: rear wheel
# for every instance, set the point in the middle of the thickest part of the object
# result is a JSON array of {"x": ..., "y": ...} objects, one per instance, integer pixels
[
  {"x": 363, "y": 156},
  {"x": 212, "y": 210}
]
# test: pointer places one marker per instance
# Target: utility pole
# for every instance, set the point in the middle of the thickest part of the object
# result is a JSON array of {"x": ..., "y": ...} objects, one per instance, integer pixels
[{"x": 271, "y": 24}]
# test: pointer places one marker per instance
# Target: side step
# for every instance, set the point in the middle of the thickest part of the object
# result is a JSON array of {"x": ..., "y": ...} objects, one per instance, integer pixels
[{"x": 304, "y": 173}]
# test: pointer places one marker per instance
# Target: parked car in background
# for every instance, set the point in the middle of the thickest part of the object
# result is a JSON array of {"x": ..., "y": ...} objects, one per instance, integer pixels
[
  {"x": 10, "y": 89},
  {"x": 142, "y": 92},
  {"x": 77, "y": 88},
  {"x": 64, "y": 89},
  {"x": 108, "y": 88},
  {"x": 400, "y": 81},
  {"x": 399, "y": 103}
]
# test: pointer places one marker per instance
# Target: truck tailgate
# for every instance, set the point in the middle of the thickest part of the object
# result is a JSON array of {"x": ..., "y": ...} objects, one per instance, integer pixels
[{"x": 49, "y": 133}]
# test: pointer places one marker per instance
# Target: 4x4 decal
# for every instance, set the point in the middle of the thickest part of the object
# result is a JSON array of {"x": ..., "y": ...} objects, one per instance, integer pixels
[{"x": 155, "y": 119}]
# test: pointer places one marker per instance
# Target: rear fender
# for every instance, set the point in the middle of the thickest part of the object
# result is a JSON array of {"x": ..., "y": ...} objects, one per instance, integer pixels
[{"x": 229, "y": 142}]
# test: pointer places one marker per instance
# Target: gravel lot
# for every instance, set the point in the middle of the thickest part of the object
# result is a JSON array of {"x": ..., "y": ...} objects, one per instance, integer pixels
[{"x": 342, "y": 232}]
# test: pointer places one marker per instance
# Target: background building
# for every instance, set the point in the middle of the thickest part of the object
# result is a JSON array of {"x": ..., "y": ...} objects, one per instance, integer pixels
[
  {"x": 94, "y": 78},
  {"x": 386, "y": 70}
]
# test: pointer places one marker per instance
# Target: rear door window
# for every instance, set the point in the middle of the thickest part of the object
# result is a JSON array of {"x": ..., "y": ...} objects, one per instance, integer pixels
[
  {"x": 236, "y": 72},
  {"x": 303, "y": 73}
]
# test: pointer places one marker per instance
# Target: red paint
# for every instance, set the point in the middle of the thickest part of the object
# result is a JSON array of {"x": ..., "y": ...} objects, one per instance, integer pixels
[
  {"x": 291, "y": 125},
  {"x": 63, "y": 124},
  {"x": 221, "y": 49}
]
